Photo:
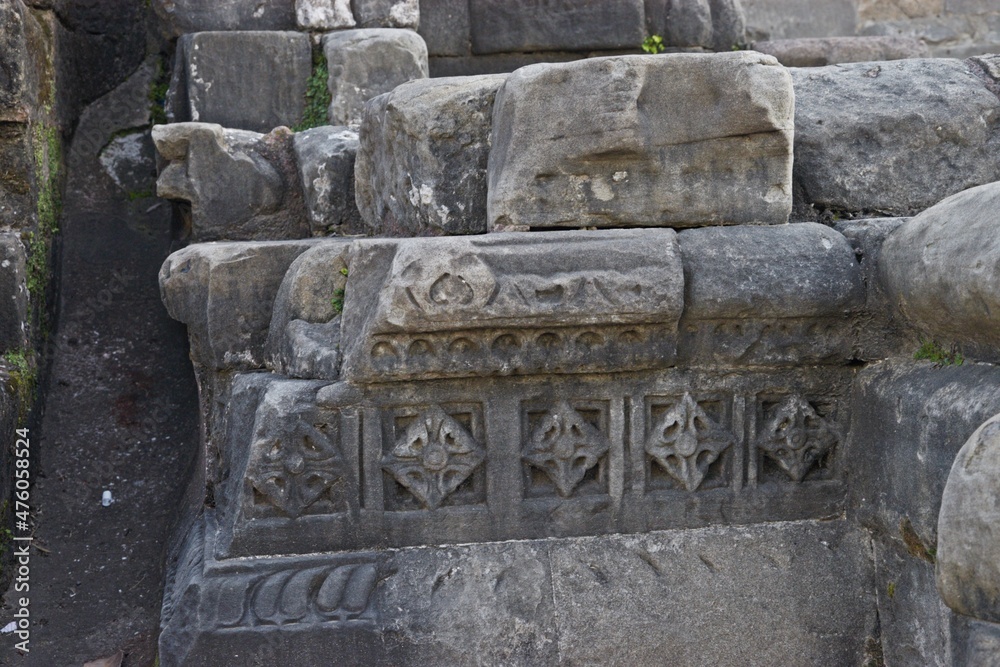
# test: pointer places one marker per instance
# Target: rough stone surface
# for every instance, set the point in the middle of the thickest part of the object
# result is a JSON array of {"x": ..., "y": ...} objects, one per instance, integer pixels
[
  {"x": 779, "y": 19},
  {"x": 800, "y": 270},
  {"x": 549, "y": 602},
  {"x": 678, "y": 140},
  {"x": 941, "y": 270},
  {"x": 326, "y": 157},
  {"x": 304, "y": 336},
  {"x": 239, "y": 185},
  {"x": 366, "y": 63},
  {"x": 324, "y": 14},
  {"x": 680, "y": 22},
  {"x": 504, "y": 284},
  {"x": 892, "y": 137},
  {"x": 180, "y": 17},
  {"x": 217, "y": 81},
  {"x": 224, "y": 293},
  {"x": 13, "y": 293},
  {"x": 14, "y": 63},
  {"x": 130, "y": 161},
  {"x": 556, "y": 25},
  {"x": 445, "y": 27},
  {"x": 820, "y": 51},
  {"x": 387, "y": 13},
  {"x": 968, "y": 570},
  {"x": 423, "y": 157},
  {"x": 728, "y": 24},
  {"x": 909, "y": 420}
]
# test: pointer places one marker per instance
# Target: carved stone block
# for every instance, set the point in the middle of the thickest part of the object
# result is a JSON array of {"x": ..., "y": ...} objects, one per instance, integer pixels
[
  {"x": 680, "y": 140},
  {"x": 565, "y": 448},
  {"x": 511, "y": 304}
]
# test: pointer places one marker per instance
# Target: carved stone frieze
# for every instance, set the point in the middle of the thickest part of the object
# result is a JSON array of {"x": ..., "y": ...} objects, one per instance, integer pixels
[
  {"x": 797, "y": 437},
  {"x": 433, "y": 456},
  {"x": 565, "y": 446},
  {"x": 685, "y": 441}
]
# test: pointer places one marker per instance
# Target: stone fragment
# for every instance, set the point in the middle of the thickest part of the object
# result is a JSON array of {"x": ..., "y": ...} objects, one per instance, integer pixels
[
  {"x": 682, "y": 23},
  {"x": 217, "y": 81},
  {"x": 487, "y": 298},
  {"x": 13, "y": 293},
  {"x": 892, "y": 137},
  {"x": 781, "y": 19},
  {"x": 387, "y": 13},
  {"x": 14, "y": 63},
  {"x": 556, "y": 25},
  {"x": 224, "y": 293},
  {"x": 821, "y": 51},
  {"x": 324, "y": 14},
  {"x": 968, "y": 567},
  {"x": 670, "y": 140},
  {"x": 366, "y": 63},
  {"x": 240, "y": 185},
  {"x": 326, "y": 156},
  {"x": 941, "y": 269},
  {"x": 445, "y": 27},
  {"x": 799, "y": 270},
  {"x": 180, "y": 17},
  {"x": 728, "y": 24},
  {"x": 304, "y": 335},
  {"x": 423, "y": 157},
  {"x": 130, "y": 161}
]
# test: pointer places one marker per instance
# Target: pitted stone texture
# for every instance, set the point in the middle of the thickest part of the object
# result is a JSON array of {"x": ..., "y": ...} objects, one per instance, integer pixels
[
  {"x": 941, "y": 269},
  {"x": 671, "y": 140},
  {"x": 13, "y": 293},
  {"x": 224, "y": 293},
  {"x": 909, "y": 420},
  {"x": 387, "y": 13},
  {"x": 240, "y": 185},
  {"x": 968, "y": 569},
  {"x": 423, "y": 157},
  {"x": 304, "y": 336},
  {"x": 821, "y": 51},
  {"x": 326, "y": 157},
  {"x": 557, "y": 25},
  {"x": 324, "y": 14},
  {"x": 218, "y": 79},
  {"x": 892, "y": 137},
  {"x": 366, "y": 63},
  {"x": 800, "y": 270},
  {"x": 180, "y": 17},
  {"x": 497, "y": 286},
  {"x": 715, "y": 596}
]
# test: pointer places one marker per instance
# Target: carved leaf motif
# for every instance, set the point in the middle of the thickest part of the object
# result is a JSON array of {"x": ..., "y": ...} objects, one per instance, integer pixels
[
  {"x": 565, "y": 446},
  {"x": 433, "y": 456},
  {"x": 686, "y": 441},
  {"x": 295, "y": 468},
  {"x": 796, "y": 437}
]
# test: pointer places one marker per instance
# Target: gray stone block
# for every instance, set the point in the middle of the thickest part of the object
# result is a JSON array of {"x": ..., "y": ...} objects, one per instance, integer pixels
[
  {"x": 223, "y": 84},
  {"x": 224, "y": 293},
  {"x": 487, "y": 299},
  {"x": 892, "y": 137},
  {"x": 387, "y": 13},
  {"x": 940, "y": 270},
  {"x": 324, "y": 14},
  {"x": 304, "y": 335},
  {"x": 728, "y": 24},
  {"x": 909, "y": 420},
  {"x": 423, "y": 157},
  {"x": 670, "y": 140},
  {"x": 781, "y": 19},
  {"x": 446, "y": 27},
  {"x": 179, "y": 17},
  {"x": 821, "y": 51},
  {"x": 683, "y": 23},
  {"x": 534, "y": 602},
  {"x": 968, "y": 570},
  {"x": 557, "y": 25},
  {"x": 238, "y": 185},
  {"x": 366, "y": 63},
  {"x": 326, "y": 157},
  {"x": 13, "y": 293}
]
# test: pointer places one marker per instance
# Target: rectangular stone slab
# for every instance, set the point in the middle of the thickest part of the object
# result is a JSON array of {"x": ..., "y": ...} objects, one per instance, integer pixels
[
  {"x": 683, "y": 140},
  {"x": 476, "y": 293}
]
